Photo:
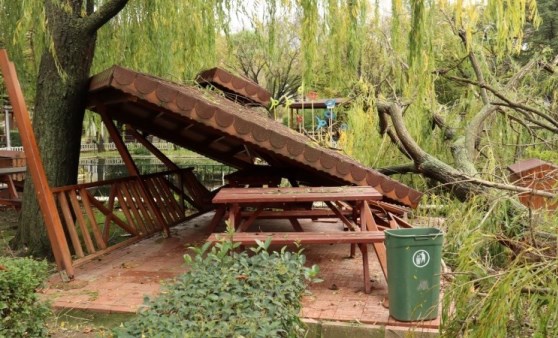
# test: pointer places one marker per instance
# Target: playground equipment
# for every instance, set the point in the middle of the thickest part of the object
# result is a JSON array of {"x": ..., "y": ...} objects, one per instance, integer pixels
[{"x": 326, "y": 123}]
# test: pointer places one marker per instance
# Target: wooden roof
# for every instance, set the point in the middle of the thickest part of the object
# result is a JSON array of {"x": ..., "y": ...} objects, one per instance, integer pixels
[
  {"x": 530, "y": 164},
  {"x": 236, "y": 88},
  {"x": 209, "y": 124}
]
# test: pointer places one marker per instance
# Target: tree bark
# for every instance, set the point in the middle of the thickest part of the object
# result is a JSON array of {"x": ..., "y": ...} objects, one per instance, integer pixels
[{"x": 60, "y": 106}]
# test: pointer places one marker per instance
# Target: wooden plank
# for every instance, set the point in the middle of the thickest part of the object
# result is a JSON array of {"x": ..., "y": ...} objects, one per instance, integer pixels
[
  {"x": 365, "y": 267},
  {"x": 174, "y": 203},
  {"x": 313, "y": 213},
  {"x": 101, "y": 244},
  {"x": 157, "y": 201},
  {"x": 124, "y": 207},
  {"x": 112, "y": 217},
  {"x": 100, "y": 206},
  {"x": 284, "y": 238},
  {"x": 149, "y": 220},
  {"x": 134, "y": 208},
  {"x": 11, "y": 202},
  {"x": 368, "y": 223},
  {"x": 159, "y": 220},
  {"x": 340, "y": 215},
  {"x": 246, "y": 224},
  {"x": 388, "y": 207},
  {"x": 168, "y": 197},
  {"x": 401, "y": 222},
  {"x": 292, "y": 194},
  {"x": 12, "y": 170},
  {"x": 45, "y": 198},
  {"x": 217, "y": 217},
  {"x": 11, "y": 188},
  {"x": 81, "y": 221},
  {"x": 149, "y": 146},
  {"x": 70, "y": 225},
  {"x": 182, "y": 194}
]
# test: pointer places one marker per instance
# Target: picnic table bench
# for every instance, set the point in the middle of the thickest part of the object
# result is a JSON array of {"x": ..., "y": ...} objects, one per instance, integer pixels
[
  {"x": 237, "y": 202},
  {"x": 360, "y": 238}
]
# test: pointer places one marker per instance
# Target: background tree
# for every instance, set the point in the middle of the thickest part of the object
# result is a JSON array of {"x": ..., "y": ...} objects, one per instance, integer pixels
[
  {"x": 274, "y": 66},
  {"x": 62, "y": 34},
  {"x": 63, "y": 74}
]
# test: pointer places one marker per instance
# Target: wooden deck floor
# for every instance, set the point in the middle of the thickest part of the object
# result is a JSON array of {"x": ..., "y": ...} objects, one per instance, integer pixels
[{"x": 118, "y": 282}]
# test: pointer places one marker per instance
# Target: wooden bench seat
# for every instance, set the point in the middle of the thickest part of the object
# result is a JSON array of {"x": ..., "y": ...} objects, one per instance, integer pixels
[
  {"x": 360, "y": 238},
  {"x": 305, "y": 213}
]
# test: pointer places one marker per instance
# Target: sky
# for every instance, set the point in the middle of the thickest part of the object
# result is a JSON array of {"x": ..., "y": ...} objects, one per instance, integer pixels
[{"x": 240, "y": 20}]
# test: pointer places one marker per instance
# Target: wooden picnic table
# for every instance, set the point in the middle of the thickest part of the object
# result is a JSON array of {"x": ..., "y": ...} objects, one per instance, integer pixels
[
  {"x": 6, "y": 177},
  {"x": 289, "y": 199},
  {"x": 236, "y": 200}
]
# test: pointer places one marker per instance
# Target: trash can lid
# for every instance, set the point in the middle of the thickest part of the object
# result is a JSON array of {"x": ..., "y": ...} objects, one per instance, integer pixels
[{"x": 414, "y": 232}]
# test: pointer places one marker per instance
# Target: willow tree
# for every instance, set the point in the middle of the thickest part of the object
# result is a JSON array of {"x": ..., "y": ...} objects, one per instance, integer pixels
[
  {"x": 452, "y": 65},
  {"x": 53, "y": 44},
  {"x": 62, "y": 76}
]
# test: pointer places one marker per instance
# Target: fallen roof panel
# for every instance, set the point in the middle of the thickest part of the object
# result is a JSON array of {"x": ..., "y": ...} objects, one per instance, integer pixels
[{"x": 140, "y": 100}]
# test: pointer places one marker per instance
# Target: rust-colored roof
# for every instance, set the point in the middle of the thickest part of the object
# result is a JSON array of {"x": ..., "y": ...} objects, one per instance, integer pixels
[
  {"x": 236, "y": 88},
  {"x": 217, "y": 128},
  {"x": 529, "y": 164}
]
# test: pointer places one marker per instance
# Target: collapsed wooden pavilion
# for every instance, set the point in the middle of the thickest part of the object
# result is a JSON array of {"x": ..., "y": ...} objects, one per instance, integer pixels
[{"x": 220, "y": 127}]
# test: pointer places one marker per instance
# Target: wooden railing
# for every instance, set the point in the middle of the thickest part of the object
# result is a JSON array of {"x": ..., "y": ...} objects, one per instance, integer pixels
[{"x": 102, "y": 216}]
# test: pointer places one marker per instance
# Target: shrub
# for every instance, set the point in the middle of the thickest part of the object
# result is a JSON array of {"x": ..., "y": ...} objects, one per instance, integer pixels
[
  {"x": 21, "y": 313},
  {"x": 140, "y": 151},
  {"x": 229, "y": 294}
]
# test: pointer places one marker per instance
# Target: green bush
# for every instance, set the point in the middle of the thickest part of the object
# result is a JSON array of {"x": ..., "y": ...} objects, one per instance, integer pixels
[
  {"x": 21, "y": 313},
  {"x": 229, "y": 294},
  {"x": 140, "y": 151},
  {"x": 15, "y": 138}
]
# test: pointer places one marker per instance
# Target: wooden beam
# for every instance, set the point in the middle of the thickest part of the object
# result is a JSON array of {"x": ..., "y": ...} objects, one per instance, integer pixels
[
  {"x": 131, "y": 166},
  {"x": 45, "y": 198},
  {"x": 162, "y": 157}
]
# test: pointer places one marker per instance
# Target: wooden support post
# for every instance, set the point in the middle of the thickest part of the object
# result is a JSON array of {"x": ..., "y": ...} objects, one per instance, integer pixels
[
  {"x": 162, "y": 157},
  {"x": 368, "y": 223},
  {"x": 131, "y": 166},
  {"x": 45, "y": 197}
]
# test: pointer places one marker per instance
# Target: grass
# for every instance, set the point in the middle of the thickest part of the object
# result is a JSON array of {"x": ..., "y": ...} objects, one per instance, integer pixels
[{"x": 78, "y": 323}]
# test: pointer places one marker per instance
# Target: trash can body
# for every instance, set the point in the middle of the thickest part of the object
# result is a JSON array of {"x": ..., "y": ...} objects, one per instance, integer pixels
[{"x": 413, "y": 264}]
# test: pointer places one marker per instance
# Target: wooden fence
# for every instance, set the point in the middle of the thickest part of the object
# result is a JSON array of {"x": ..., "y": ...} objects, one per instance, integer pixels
[
  {"x": 101, "y": 216},
  {"x": 88, "y": 147}
]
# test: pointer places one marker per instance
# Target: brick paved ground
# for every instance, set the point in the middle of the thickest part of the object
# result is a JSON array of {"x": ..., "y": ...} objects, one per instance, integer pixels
[{"x": 119, "y": 281}]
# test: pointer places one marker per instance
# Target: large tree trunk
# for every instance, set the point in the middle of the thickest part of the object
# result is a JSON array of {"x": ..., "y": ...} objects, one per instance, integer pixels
[
  {"x": 60, "y": 104},
  {"x": 57, "y": 122}
]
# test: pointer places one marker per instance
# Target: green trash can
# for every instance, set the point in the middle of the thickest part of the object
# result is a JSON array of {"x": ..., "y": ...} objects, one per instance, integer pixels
[{"x": 413, "y": 263}]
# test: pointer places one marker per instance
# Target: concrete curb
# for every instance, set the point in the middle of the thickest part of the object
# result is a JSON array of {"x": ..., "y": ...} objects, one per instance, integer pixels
[{"x": 329, "y": 329}]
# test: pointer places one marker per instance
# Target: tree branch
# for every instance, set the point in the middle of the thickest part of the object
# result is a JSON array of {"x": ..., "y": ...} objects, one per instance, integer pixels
[
  {"x": 511, "y": 104},
  {"x": 416, "y": 153},
  {"x": 527, "y": 117},
  {"x": 100, "y": 17},
  {"x": 476, "y": 67},
  {"x": 399, "y": 169},
  {"x": 449, "y": 132},
  {"x": 508, "y": 187},
  {"x": 475, "y": 127}
]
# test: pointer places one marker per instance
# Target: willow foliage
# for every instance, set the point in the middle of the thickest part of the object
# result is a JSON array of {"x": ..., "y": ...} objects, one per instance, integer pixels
[
  {"x": 174, "y": 39},
  {"x": 23, "y": 33}
]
